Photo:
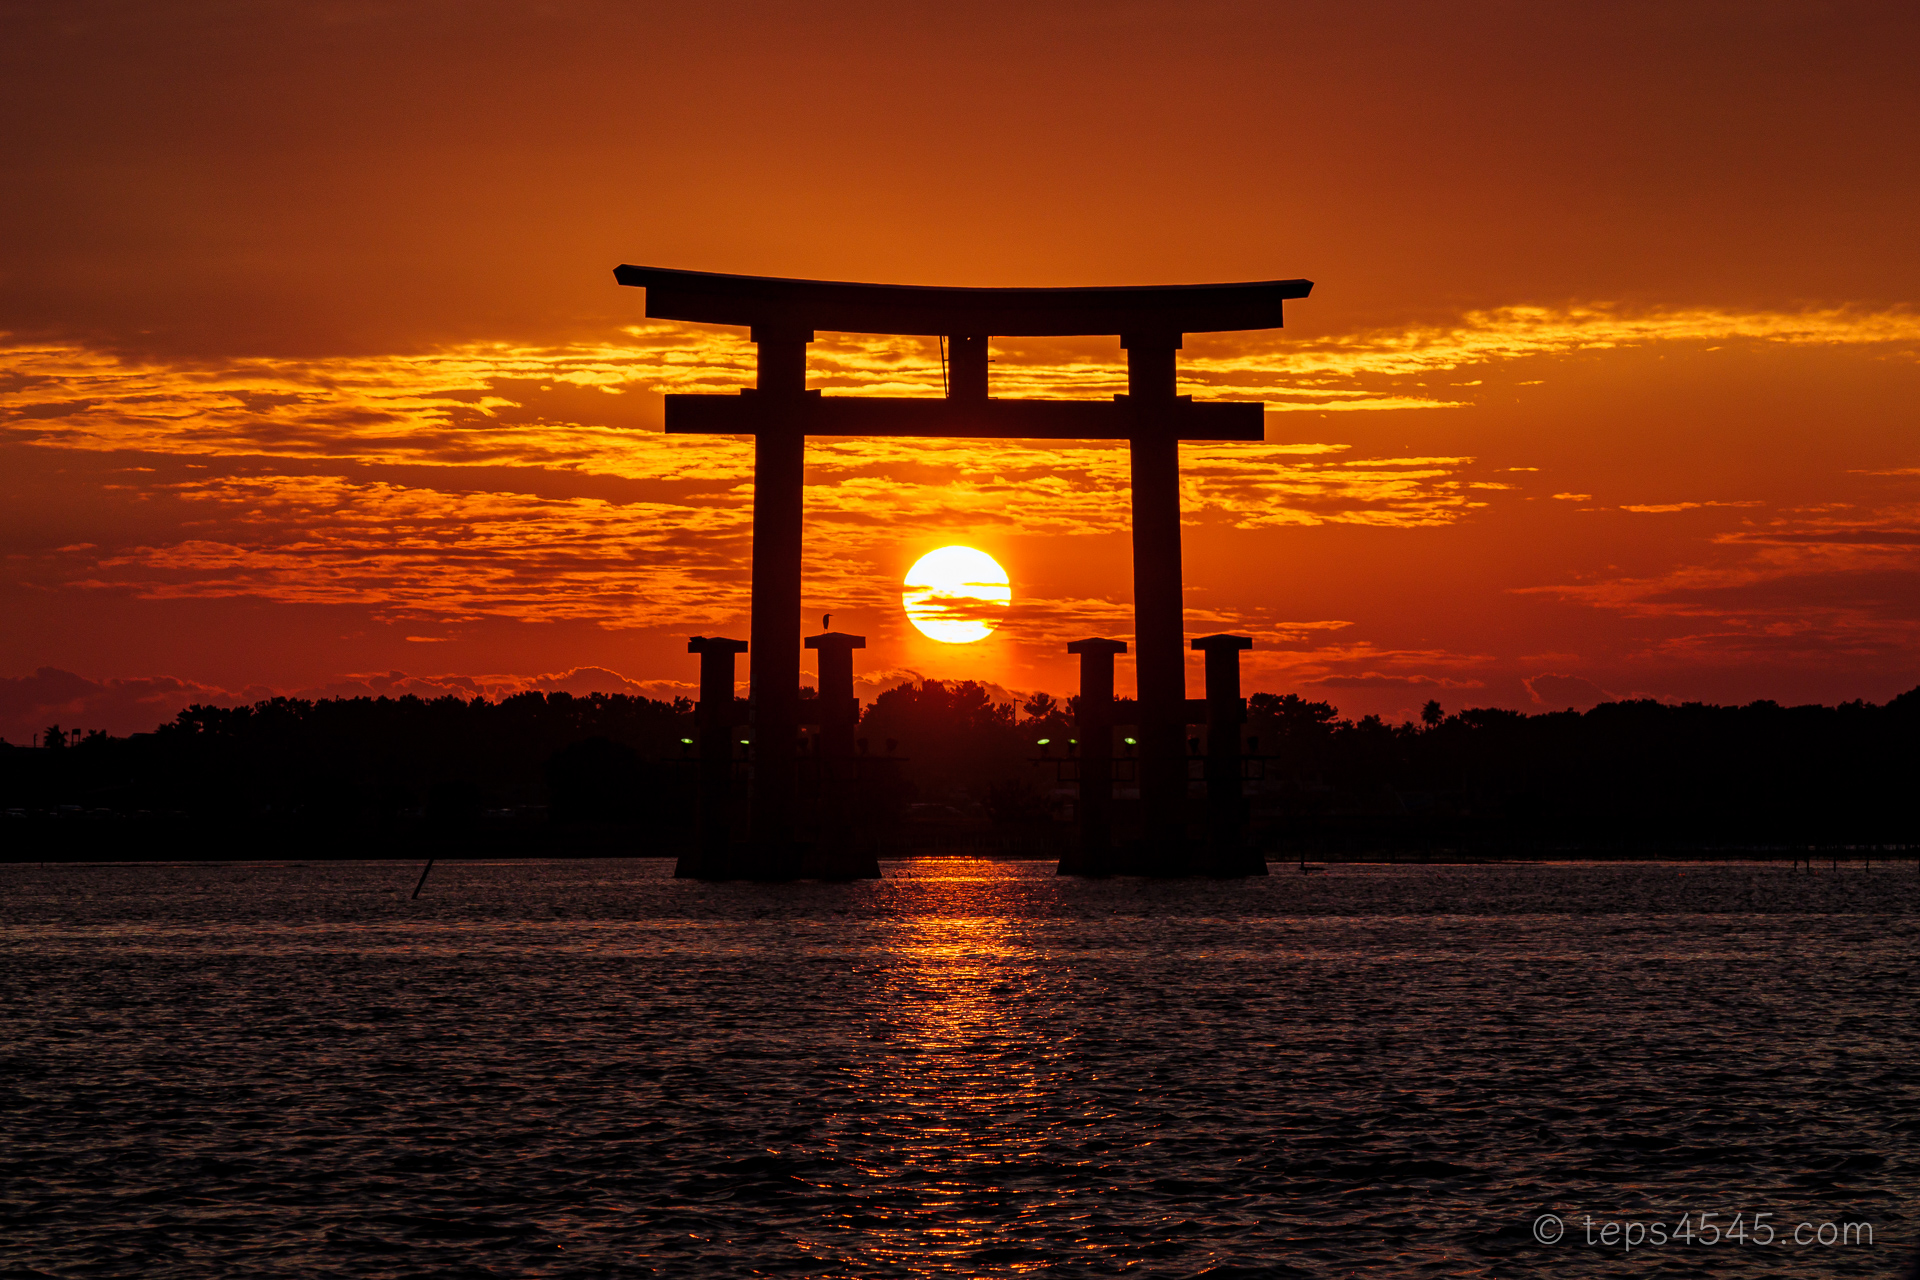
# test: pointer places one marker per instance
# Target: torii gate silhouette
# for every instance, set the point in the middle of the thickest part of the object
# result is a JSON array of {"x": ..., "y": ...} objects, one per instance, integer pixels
[{"x": 780, "y": 413}]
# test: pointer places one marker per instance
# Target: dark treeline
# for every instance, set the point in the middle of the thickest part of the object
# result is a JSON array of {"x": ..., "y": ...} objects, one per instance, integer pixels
[
  {"x": 306, "y": 771},
  {"x": 1624, "y": 776}
]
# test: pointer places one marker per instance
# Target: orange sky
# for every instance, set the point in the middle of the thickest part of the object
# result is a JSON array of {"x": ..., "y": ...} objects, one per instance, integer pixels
[{"x": 313, "y": 375}]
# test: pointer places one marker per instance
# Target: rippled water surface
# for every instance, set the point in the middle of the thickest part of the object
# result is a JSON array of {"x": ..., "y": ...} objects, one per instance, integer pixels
[{"x": 967, "y": 1068}]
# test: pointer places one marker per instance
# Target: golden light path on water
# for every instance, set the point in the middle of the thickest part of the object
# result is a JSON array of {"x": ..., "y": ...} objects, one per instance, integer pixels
[
  {"x": 971, "y": 1089},
  {"x": 956, "y": 594}
]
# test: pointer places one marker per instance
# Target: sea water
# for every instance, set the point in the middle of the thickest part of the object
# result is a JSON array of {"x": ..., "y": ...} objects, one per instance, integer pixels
[{"x": 966, "y": 1068}]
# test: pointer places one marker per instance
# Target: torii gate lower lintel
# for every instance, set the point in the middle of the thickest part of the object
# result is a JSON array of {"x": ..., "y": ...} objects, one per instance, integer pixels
[{"x": 779, "y": 412}]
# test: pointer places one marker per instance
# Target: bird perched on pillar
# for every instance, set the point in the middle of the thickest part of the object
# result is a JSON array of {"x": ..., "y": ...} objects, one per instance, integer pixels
[{"x": 826, "y": 622}]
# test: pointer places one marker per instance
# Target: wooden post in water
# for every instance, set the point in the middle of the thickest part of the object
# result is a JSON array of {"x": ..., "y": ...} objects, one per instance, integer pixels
[
  {"x": 1093, "y": 725},
  {"x": 1226, "y": 804},
  {"x": 714, "y": 720},
  {"x": 834, "y": 856},
  {"x": 421, "y": 884}
]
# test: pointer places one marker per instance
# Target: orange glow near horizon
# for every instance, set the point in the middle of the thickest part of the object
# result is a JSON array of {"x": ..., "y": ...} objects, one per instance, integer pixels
[
  {"x": 314, "y": 378},
  {"x": 443, "y": 495}
]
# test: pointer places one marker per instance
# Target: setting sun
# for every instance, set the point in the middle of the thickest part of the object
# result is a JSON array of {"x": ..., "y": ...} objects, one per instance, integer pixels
[{"x": 956, "y": 594}]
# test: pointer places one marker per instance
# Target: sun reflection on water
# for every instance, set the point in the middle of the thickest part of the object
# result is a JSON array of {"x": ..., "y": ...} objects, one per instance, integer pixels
[{"x": 967, "y": 1087}]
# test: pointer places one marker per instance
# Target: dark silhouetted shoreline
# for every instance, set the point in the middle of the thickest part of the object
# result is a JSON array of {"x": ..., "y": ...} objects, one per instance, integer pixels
[{"x": 538, "y": 775}]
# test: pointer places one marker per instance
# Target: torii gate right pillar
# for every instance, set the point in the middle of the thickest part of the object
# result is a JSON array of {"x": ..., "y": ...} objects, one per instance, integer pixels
[
  {"x": 773, "y": 661},
  {"x": 1159, "y": 627}
]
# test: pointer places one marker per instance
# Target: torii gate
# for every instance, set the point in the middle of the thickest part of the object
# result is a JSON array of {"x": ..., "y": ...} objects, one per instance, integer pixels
[{"x": 780, "y": 413}]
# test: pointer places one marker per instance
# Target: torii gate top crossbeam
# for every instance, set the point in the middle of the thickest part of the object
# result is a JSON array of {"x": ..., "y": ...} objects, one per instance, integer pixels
[
  {"x": 774, "y": 302},
  {"x": 785, "y": 313}
]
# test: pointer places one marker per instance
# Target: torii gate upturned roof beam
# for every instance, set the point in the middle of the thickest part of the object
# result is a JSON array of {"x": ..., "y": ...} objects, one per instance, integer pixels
[{"x": 775, "y": 302}]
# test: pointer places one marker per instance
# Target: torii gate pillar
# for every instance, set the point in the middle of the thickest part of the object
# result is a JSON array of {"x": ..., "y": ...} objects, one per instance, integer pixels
[
  {"x": 779, "y": 477},
  {"x": 1160, "y": 661}
]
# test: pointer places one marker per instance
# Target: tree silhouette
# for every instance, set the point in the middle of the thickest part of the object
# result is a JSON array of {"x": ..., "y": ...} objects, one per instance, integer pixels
[
  {"x": 957, "y": 739},
  {"x": 1040, "y": 706}
]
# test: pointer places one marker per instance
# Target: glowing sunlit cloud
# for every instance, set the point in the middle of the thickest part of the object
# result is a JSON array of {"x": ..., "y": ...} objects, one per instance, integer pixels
[
  {"x": 956, "y": 595},
  {"x": 1383, "y": 368},
  {"x": 479, "y": 402},
  {"x": 515, "y": 545},
  {"x": 422, "y": 554}
]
